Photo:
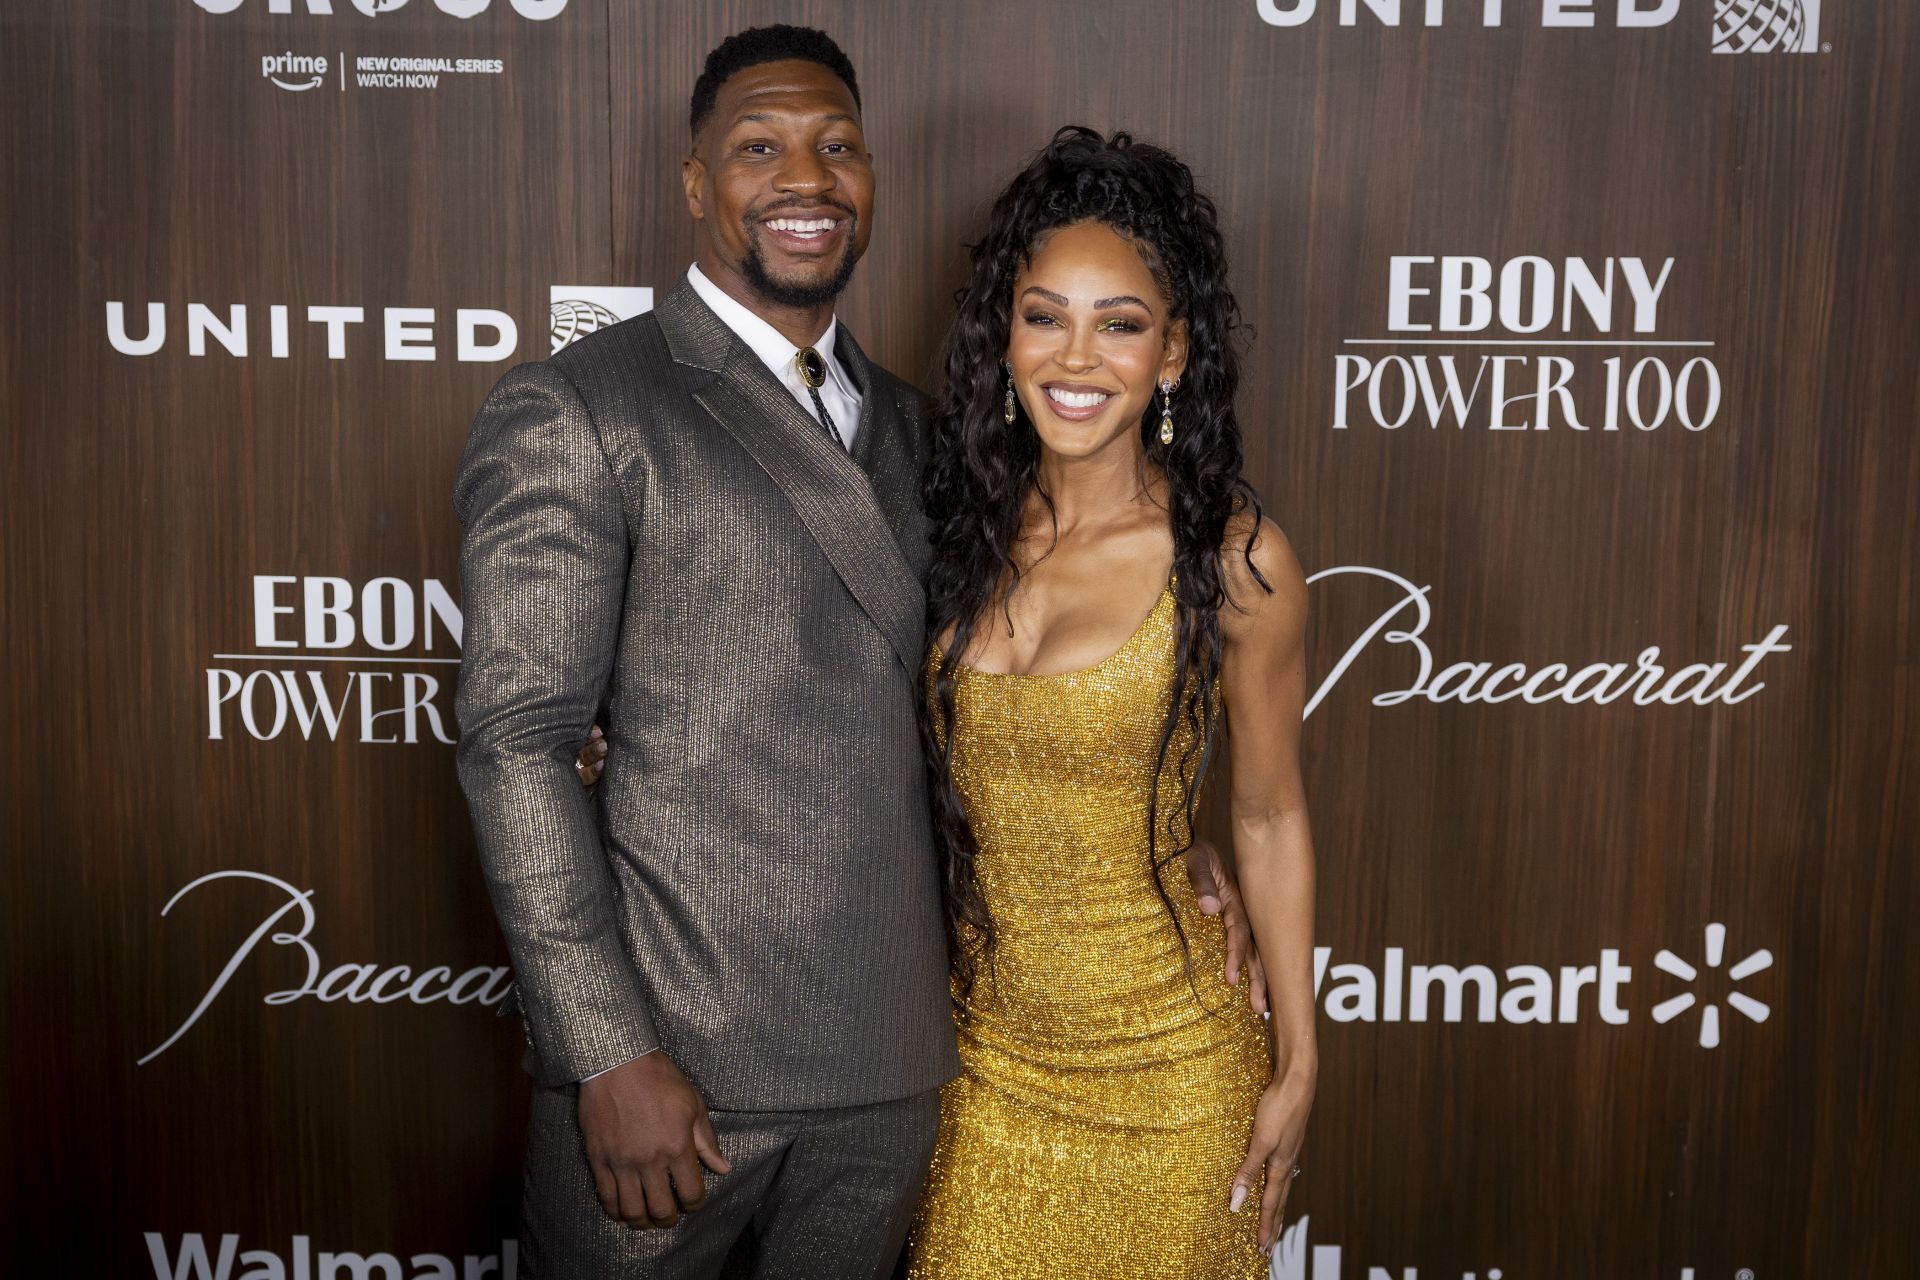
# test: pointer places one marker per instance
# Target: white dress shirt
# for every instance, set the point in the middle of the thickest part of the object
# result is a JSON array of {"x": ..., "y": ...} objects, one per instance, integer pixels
[{"x": 765, "y": 341}]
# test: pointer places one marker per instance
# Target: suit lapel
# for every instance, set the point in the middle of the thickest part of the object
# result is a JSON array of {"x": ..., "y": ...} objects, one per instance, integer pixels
[
  {"x": 828, "y": 490},
  {"x": 885, "y": 452}
]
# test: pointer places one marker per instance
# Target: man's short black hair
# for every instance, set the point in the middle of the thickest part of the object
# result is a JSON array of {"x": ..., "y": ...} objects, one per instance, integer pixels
[{"x": 756, "y": 45}]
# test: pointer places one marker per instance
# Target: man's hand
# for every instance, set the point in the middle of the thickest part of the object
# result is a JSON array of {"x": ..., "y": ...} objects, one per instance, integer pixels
[
  {"x": 1219, "y": 895},
  {"x": 647, "y": 1134},
  {"x": 592, "y": 757}
]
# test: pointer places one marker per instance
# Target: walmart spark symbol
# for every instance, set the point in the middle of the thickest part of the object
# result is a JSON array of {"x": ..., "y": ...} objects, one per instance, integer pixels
[{"x": 1668, "y": 1010}]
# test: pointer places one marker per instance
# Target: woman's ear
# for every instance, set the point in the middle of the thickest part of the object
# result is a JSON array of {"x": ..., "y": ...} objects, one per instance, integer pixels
[{"x": 1174, "y": 363}]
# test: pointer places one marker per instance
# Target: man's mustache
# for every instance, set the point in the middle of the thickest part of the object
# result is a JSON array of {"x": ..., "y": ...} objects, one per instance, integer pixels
[{"x": 798, "y": 206}]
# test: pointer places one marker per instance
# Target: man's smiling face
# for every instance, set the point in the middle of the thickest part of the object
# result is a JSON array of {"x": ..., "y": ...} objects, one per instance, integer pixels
[{"x": 781, "y": 184}]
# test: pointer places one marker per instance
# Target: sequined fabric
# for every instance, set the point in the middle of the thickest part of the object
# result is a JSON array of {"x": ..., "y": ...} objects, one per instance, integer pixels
[{"x": 1101, "y": 1112}]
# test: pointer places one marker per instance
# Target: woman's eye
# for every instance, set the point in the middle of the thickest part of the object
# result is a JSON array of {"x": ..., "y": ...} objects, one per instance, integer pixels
[
  {"x": 1122, "y": 326},
  {"x": 1038, "y": 317}
]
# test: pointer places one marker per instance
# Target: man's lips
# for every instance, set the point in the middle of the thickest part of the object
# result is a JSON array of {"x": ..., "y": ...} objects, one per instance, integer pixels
[
  {"x": 1076, "y": 401},
  {"x": 805, "y": 233}
]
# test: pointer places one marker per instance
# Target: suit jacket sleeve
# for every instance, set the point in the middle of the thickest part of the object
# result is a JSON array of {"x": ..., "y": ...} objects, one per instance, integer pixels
[{"x": 544, "y": 570}]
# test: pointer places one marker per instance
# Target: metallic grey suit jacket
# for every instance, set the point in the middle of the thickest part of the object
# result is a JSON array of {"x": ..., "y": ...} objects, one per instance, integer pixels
[{"x": 657, "y": 533}]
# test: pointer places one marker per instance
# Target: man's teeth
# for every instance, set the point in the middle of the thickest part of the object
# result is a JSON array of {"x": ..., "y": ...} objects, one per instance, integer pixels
[
  {"x": 801, "y": 226},
  {"x": 1076, "y": 399}
]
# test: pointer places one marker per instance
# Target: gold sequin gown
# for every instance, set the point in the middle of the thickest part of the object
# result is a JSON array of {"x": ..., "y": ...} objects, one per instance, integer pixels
[{"x": 1101, "y": 1113}]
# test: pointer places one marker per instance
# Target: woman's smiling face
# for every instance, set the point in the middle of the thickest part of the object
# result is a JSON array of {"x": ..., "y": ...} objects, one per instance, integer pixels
[{"x": 1090, "y": 340}]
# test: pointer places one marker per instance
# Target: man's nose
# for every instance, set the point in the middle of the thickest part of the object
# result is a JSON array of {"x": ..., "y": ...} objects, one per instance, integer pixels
[{"x": 803, "y": 172}]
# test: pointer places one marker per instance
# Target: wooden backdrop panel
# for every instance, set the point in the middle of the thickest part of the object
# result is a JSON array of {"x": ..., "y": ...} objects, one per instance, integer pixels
[{"x": 148, "y": 161}]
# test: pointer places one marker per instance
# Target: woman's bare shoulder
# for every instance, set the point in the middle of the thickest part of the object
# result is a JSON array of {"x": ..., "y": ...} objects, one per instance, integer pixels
[{"x": 1266, "y": 587}]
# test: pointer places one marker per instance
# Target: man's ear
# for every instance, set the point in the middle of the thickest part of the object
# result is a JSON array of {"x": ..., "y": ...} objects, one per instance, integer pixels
[{"x": 693, "y": 172}]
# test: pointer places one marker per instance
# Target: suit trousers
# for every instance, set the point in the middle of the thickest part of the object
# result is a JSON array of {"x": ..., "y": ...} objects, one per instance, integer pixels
[{"x": 812, "y": 1195}]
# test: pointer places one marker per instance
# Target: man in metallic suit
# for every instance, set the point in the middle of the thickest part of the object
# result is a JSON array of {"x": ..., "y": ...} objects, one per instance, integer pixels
[
  {"x": 703, "y": 519},
  {"x": 702, "y": 523}
]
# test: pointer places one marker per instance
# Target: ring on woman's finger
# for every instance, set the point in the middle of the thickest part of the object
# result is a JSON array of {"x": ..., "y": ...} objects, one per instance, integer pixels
[{"x": 1295, "y": 1173}]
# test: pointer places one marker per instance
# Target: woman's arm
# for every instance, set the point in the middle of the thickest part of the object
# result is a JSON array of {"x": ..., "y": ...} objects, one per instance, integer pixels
[{"x": 1264, "y": 678}]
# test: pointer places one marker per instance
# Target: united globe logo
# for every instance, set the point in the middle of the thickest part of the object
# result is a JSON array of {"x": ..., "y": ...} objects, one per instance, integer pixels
[
  {"x": 576, "y": 310},
  {"x": 573, "y": 318},
  {"x": 1766, "y": 26}
]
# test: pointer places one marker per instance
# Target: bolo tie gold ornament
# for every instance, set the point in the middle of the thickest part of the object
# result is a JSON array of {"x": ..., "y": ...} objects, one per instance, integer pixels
[{"x": 812, "y": 367}]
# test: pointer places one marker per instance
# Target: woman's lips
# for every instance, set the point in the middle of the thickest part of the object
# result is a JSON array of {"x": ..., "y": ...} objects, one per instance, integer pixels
[{"x": 1076, "y": 402}]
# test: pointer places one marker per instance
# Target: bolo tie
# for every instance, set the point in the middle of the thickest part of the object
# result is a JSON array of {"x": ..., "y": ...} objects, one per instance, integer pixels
[{"x": 813, "y": 372}]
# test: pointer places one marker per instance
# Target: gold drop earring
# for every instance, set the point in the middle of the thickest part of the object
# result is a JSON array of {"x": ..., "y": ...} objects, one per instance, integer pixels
[
  {"x": 1166, "y": 410},
  {"x": 1008, "y": 410}
]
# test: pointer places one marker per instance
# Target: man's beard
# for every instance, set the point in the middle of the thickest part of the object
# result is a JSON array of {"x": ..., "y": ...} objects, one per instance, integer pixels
[{"x": 754, "y": 271}]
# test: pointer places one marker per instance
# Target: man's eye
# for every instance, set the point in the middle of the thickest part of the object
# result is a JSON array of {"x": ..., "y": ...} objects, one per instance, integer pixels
[
  {"x": 837, "y": 148},
  {"x": 757, "y": 148}
]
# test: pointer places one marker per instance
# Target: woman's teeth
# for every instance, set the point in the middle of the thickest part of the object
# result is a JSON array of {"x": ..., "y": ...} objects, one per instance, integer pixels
[
  {"x": 1077, "y": 399},
  {"x": 804, "y": 227}
]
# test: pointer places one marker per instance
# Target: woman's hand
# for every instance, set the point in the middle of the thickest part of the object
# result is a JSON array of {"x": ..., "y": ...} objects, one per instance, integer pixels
[
  {"x": 1279, "y": 1127},
  {"x": 592, "y": 758},
  {"x": 1219, "y": 894}
]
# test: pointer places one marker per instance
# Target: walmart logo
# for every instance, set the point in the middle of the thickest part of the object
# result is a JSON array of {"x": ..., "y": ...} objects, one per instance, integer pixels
[{"x": 1668, "y": 1010}]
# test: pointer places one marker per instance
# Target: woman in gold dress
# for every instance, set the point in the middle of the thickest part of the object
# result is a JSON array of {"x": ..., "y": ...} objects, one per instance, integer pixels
[{"x": 1107, "y": 600}]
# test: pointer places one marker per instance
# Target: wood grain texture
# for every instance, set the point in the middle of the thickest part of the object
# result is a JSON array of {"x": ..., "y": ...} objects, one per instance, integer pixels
[{"x": 147, "y": 161}]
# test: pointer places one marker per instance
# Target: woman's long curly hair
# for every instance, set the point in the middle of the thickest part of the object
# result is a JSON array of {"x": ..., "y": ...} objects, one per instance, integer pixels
[{"x": 983, "y": 470}]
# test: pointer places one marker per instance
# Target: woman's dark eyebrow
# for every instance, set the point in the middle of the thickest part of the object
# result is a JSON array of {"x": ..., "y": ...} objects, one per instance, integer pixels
[{"x": 1101, "y": 305}]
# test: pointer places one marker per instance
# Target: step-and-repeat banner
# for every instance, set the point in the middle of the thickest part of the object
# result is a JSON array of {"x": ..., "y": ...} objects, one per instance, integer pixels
[{"x": 1583, "y": 380}]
